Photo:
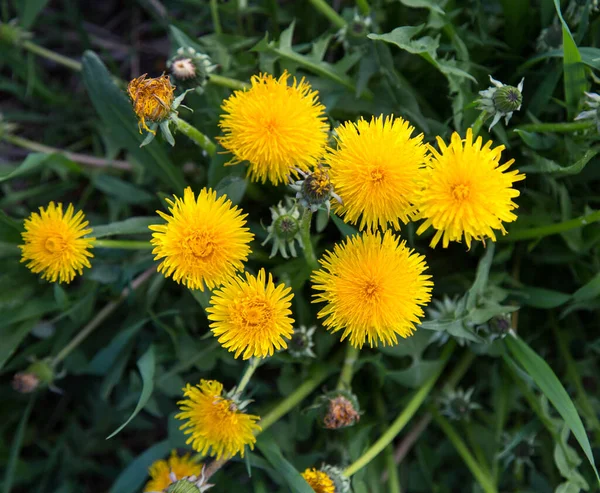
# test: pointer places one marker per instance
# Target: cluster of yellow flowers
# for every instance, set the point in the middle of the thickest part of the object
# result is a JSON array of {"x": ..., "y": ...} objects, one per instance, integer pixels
[{"x": 373, "y": 286}]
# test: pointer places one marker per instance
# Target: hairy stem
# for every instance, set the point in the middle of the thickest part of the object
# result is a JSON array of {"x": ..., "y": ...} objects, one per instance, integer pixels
[
  {"x": 345, "y": 381},
  {"x": 228, "y": 82}
]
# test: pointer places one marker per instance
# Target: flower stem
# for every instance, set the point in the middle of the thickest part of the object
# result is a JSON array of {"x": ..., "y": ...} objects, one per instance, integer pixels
[
  {"x": 73, "y": 156},
  {"x": 123, "y": 244},
  {"x": 479, "y": 123},
  {"x": 551, "y": 229},
  {"x": 214, "y": 12},
  {"x": 50, "y": 55},
  {"x": 345, "y": 381},
  {"x": 294, "y": 398},
  {"x": 564, "y": 127},
  {"x": 102, "y": 315},
  {"x": 363, "y": 6},
  {"x": 480, "y": 475},
  {"x": 336, "y": 19},
  {"x": 253, "y": 364},
  {"x": 403, "y": 418},
  {"x": 228, "y": 82},
  {"x": 307, "y": 247},
  {"x": 195, "y": 135}
]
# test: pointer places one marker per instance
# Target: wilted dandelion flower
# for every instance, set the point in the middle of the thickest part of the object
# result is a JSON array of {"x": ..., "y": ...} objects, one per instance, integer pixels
[
  {"x": 319, "y": 481},
  {"x": 466, "y": 192},
  {"x": 204, "y": 241},
  {"x": 55, "y": 243},
  {"x": 274, "y": 126},
  {"x": 152, "y": 99},
  {"x": 215, "y": 423},
  {"x": 252, "y": 315},
  {"x": 163, "y": 472},
  {"x": 375, "y": 170},
  {"x": 374, "y": 289}
]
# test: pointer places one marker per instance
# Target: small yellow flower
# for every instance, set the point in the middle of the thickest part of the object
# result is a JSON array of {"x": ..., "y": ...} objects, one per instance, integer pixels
[
  {"x": 204, "y": 241},
  {"x": 274, "y": 126},
  {"x": 376, "y": 170},
  {"x": 466, "y": 191},
  {"x": 214, "y": 422},
  {"x": 252, "y": 315},
  {"x": 374, "y": 289},
  {"x": 54, "y": 243},
  {"x": 162, "y": 472},
  {"x": 152, "y": 99},
  {"x": 319, "y": 481}
]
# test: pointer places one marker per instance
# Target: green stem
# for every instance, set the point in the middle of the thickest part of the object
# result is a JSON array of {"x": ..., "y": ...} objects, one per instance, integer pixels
[
  {"x": 574, "y": 377},
  {"x": 403, "y": 418},
  {"x": 294, "y": 398},
  {"x": 565, "y": 127},
  {"x": 551, "y": 229},
  {"x": 363, "y": 6},
  {"x": 195, "y": 135},
  {"x": 123, "y": 244},
  {"x": 309, "y": 252},
  {"x": 480, "y": 475},
  {"x": 102, "y": 315},
  {"x": 392, "y": 470},
  {"x": 479, "y": 123},
  {"x": 345, "y": 381},
  {"x": 479, "y": 455},
  {"x": 253, "y": 364},
  {"x": 50, "y": 55},
  {"x": 73, "y": 156},
  {"x": 214, "y": 12},
  {"x": 336, "y": 19},
  {"x": 228, "y": 82}
]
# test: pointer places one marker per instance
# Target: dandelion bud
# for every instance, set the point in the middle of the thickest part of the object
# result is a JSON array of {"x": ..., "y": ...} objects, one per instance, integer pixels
[
  {"x": 190, "y": 69},
  {"x": 302, "y": 342},
  {"x": 38, "y": 373},
  {"x": 315, "y": 189},
  {"x": 355, "y": 32},
  {"x": 284, "y": 230},
  {"x": 338, "y": 409},
  {"x": 593, "y": 114},
  {"x": 183, "y": 486},
  {"x": 329, "y": 479},
  {"x": 457, "y": 404},
  {"x": 501, "y": 100},
  {"x": 519, "y": 448},
  {"x": 341, "y": 481}
]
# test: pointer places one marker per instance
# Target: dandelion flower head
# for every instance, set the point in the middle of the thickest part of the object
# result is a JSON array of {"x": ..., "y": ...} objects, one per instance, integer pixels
[
  {"x": 376, "y": 170},
  {"x": 152, "y": 99},
  {"x": 163, "y": 471},
  {"x": 55, "y": 243},
  {"x": 319, "y": 481},
  {"x": 466, "y": 192},
  {"x": 275, "y": 126},
  {"x": 373, "y": 288},
  {"x": 204, "y": 240},
  {"x": 251, "y": 316},
  {"x": 214, "y": 422}
]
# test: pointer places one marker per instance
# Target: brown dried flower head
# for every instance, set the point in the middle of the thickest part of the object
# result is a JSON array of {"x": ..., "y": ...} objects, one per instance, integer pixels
[{"x": 341, "y": 413}]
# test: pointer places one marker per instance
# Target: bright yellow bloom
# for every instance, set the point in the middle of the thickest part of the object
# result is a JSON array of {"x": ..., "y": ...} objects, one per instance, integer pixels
[
  {"x": 204, "y": 241},
  {"x": 152, "y": 99},
  {"x": 274, "y": 126},
  {"x": 214, "y": 422},
  {"x": 252, "y": 315},
  {"x": 466, "y": 191},
  {"x": 162, "y": 472},
  {"x": 319, "y": 481},
  {"x": 376, "y": 170},
  {"x": 54, "y": 243},
  {"x": 374, "y": 289}
]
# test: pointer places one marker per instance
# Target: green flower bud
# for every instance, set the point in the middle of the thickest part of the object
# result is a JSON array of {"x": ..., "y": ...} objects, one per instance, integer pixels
[
  {"x": 500, "y": 100},
  {"x": 284, "y": 229},
  {"x": 507, "y": 99},
  {"x": 341, "y": 482},
  {"x": 38, "y": 373},
  {"x": 190, "y": 69},
  {"x": 457, "y": 404},
  {"x": 301, "y": 344}
]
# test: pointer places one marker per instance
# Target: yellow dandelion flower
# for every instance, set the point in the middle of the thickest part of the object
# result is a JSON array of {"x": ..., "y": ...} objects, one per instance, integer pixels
[
  {"x": 55, "y": 243},
  {"x": 466, "y": 191},
  {"x": 374, "y": 289},
  {"x": 152, "y": 99},
  {"x": 375, "y": 171},
  {"x": 319, "y": 481},
  {"x": 252, "y": 315},
  {"x": 204, "y": 241},
  {"x": 214, "y": 422},
  {"x": 163, "y": 472},
  {"x": 274, "y": 126}
]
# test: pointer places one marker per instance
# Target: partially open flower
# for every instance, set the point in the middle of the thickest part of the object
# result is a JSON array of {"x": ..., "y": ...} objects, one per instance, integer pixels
[
  {"x": 501, "y": 100},
  {"x": 152, "y": 99},
  {"x": 164, "y": 473},
  {"x": 284, "y": 231},
  {"x": 315, "y": 189},
  {"x": 329, "y": 479}
]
